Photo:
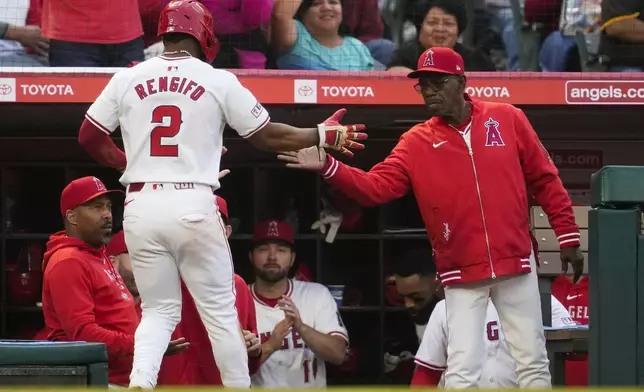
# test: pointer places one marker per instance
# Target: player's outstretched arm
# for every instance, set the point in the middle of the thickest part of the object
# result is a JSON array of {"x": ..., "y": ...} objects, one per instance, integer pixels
[
  {"x": 330, "y": 134},
  {"x": 100, "y": 146}
]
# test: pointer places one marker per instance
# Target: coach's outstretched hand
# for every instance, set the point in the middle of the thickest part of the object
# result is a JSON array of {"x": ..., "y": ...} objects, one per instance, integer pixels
[
  {"x": 177, "y": 346},
  {"x": 572, "y": 255},
  {"x": 312, "y": 158},
  {"x": 341, "y": 137}
]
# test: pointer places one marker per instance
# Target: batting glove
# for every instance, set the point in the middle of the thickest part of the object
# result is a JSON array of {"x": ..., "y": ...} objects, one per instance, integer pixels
[
  {"x": 331, "y": 217},
  {"x": 341, "y": 137}
]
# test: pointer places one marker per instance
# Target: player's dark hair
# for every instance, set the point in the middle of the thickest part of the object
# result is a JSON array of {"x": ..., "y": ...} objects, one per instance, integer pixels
[
  {"x": 177, "y": 38},
  {"x": 416, "y": 261}
]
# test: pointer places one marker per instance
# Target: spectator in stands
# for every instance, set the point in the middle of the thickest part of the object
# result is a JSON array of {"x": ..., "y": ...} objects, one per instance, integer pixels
[
  {"x": 622, "y": 40},
  {"x": 238, "y": 26},
  {"x": 150, "y": 10},
  {"x": 21, "y": 44},
  {"x": 93, "y": 34},
  {"x": 503, "y": 24},
  {"x": 307, "y": 36},
  {"x": 362, "y": 19},
  {"x": 444, "y": 21}
]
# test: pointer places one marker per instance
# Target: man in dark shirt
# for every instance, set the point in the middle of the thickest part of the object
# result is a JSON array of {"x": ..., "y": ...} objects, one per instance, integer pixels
[{"x": 622, "y": 40}]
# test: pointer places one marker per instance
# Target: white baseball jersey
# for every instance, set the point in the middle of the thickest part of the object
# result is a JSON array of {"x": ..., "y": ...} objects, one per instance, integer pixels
[
  {"x": 295, "y": 365},
  {"x": 172, "y": 113},
  {"x": 499, "y": 367}
]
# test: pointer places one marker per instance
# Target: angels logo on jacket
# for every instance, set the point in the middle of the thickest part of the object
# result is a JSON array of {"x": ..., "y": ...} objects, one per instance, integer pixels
[
  {"x": 429, "y": 59},
  {"x": 493, "y": 135}
]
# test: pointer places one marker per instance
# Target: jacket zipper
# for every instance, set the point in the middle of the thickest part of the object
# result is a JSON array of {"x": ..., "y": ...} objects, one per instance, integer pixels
[{"x": 478, "y": 191}]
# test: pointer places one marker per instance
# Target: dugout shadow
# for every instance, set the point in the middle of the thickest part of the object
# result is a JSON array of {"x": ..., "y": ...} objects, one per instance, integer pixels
[
  {"x": 237, "y": 189},
  {"x": 32, "y": 199},
  {"x": 402, "y": 216},
  {"x": 288, "y": 195},
  {"x": 363, "y": 365},
  {"x": 399, "y": 337},
  {"x": 354, "y": 264}
]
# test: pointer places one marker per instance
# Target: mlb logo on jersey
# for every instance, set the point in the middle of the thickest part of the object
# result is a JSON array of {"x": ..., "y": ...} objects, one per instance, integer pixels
[
  {"x": 173, "y": 68},
  {"x": 493, "y": 135}
]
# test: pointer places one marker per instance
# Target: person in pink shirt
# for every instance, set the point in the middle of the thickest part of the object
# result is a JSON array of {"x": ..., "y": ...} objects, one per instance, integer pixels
[{"x": 239, "y": 26}]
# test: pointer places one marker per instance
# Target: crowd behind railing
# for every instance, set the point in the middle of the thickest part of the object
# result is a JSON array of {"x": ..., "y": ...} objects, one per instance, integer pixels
[{"x": 337, "y": 35}]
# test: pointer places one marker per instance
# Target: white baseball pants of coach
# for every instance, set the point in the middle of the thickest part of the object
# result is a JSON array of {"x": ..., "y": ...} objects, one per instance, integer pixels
[
  {"x": 518, "y": 304},
  {"x": 169, "y": 233}
]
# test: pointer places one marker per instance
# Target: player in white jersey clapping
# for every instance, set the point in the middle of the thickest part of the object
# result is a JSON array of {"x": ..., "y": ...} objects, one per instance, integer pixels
[{"x": 303, "y": 315}]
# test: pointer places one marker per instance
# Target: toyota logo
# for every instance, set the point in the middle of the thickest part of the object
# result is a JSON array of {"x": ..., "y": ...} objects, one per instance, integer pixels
[
  {"x": 5, "y": 89},
  {"x": 304, "y": 91}
]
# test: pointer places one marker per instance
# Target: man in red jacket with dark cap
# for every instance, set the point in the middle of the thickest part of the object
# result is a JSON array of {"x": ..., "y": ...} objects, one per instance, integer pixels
[
  {"x": 195, "y": 366},
  {"x": 84, "y": 298},
  {"x": 468, "y": 167}
]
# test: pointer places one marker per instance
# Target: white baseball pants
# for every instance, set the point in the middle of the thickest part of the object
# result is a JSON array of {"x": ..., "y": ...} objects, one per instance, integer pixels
[
  {"x": 174, "y": 232},
  {"x": 518, "y": 304}
]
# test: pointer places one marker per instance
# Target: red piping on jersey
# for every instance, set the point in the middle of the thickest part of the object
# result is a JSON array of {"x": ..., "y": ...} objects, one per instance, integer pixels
[
  {"x": 429, "y": 365},
  {"x": 340, "y": 334},
  {"x": 258, "y": 297},
  {"x": 262, "y": 125},
  {"x": 424, "y": 377},
  {"x": 95, "y": 140}
]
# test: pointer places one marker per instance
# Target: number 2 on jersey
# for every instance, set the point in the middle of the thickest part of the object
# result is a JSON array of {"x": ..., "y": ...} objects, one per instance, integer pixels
[
  {"x": 159, "y": 132},
  {"x": 310, "y": 369}
]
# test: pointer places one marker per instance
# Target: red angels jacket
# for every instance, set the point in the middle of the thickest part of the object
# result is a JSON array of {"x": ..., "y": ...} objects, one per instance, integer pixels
[
  {"x": 473, "y": 199},
  {"x": 85, "y": 299},
  {"x": 197, "y": 366}
]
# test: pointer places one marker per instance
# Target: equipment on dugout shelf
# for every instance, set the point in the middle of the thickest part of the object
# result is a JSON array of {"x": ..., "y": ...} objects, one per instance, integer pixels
[
  {"x": 391, "y": 294},
  {"x": 328, "y": 216},
  {"x": 24, "y": 277}
]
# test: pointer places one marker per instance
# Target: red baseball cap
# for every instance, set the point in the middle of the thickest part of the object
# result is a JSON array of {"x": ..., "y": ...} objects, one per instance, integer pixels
[
  {"x": 116, "y": 245},
  {"x": 223, "y": 206},
  {"x": 441, "y": 60},
  {"x": 274, "y": 230},
  {"x": 82, "y": 190}
]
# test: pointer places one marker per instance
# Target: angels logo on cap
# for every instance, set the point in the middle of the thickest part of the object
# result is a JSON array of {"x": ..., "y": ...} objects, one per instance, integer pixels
[
  {"x": 440, "y": 60},
  {"x": 429, "y": 58},
  {"x": 273, "y": 230},
  {"x": 100, "y": 187}
]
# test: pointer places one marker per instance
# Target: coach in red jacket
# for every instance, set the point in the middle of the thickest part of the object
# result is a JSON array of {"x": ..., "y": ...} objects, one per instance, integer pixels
[
  {"x": 468, "y": 167},
  {"x": 195, "y": 366},
  {"x": 84, "y": 298}
]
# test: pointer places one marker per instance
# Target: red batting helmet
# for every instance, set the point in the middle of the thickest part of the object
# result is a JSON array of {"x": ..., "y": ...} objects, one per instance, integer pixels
[{"x": 192, "y": 18}]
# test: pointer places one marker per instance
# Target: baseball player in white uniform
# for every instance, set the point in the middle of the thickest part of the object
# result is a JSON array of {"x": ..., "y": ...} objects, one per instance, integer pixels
[
  {"x": 172, "y": 110},
  {"x": 498, "y": 367},
  {"x": 298, "y": 322}
]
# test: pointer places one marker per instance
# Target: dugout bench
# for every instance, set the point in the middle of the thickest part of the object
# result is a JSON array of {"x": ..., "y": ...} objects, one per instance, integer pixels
[
  {"x": 560, "y": 343},
  {"x": 41, "y": 363}
]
